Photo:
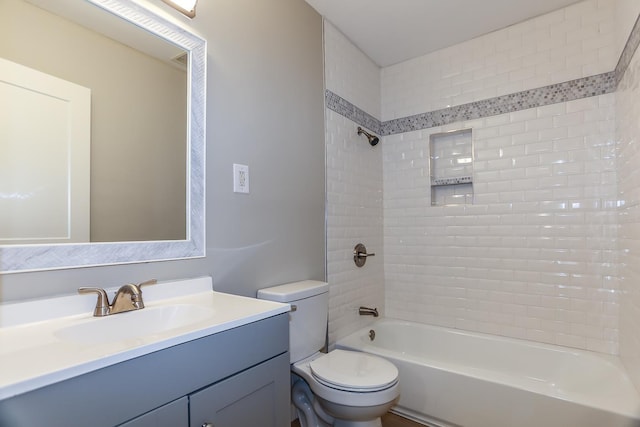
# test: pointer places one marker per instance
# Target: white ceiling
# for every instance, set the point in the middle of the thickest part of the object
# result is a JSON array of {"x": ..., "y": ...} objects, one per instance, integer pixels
[
  {"x": 99, "y": 21},
  {"x": 392, "y": 31}
]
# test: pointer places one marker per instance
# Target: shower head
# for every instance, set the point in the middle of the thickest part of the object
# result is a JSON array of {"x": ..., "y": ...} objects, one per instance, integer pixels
[{"x": 373, "y": 140}]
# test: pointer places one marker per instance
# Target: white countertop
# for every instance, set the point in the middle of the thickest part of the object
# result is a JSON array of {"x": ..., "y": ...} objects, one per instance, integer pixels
[{"x": 34, "y": 353}]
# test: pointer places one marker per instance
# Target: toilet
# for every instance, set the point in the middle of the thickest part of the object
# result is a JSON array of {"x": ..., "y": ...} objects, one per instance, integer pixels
[{"x": 340, "y": 388}]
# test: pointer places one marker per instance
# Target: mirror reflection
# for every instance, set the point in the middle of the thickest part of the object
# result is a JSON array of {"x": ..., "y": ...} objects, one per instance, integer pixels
[{"x": 126, "y": 178}]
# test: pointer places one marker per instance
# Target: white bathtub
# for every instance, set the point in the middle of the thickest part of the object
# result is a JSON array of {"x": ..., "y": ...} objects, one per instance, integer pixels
[{"x": 455, "y": 378}]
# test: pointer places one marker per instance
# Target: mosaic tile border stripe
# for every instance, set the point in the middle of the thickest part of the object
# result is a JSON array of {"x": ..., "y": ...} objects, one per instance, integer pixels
[
  {"x": 561, "y": 92},
  {"x": 553, "y": 94},
  {"x": 451, "y": 181},
  {"x": 350, "y": 111}
]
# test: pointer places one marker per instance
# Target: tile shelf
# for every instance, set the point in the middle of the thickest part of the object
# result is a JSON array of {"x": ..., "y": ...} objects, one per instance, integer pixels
[
  {"x": 437, "y": 182},
  {"x": 451, "y": 167}
]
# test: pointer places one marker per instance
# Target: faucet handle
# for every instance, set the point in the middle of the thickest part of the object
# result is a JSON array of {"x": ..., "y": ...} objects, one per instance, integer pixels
[
  {"x": 360, "y": 255},
  {"x": 137, "y": 300},
  {"x": 148, "y": 282},
  {"x": 102, "y": 305}
]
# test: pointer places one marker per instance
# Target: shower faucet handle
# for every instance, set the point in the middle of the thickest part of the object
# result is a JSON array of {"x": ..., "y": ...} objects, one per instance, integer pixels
[
  {"x": 360, "y": 251},
  {"x": 360, "y": 255}
]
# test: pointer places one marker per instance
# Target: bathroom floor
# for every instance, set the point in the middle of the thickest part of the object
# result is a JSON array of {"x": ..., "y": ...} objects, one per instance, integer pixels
[{"x": 389, "y": 420}]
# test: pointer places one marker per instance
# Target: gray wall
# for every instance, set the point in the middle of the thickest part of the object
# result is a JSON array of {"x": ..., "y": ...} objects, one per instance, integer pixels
[{"x": 265, "y": 109}]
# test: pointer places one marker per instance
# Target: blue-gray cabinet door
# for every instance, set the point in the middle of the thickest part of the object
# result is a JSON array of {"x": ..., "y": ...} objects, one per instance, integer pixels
[
  {"x": 174, "y": 414},
  {"x": 258, "y": 396}
]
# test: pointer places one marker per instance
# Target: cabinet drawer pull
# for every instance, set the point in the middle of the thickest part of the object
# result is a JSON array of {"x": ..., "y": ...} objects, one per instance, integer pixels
[{"x": 207, "y": 425}]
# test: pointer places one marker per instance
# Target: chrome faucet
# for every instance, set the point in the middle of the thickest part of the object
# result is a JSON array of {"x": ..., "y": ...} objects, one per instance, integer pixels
[
  {"x": 366, "y": 311},
  {"x": 128, "y": 297}
]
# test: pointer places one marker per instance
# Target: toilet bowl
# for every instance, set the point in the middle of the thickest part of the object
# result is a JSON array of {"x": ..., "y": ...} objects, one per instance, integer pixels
[
  {"x": 340, "y": 388},
  {"x": 352, "y": 388}
]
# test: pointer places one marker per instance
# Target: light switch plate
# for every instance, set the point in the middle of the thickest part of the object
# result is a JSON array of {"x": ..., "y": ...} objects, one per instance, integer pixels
[{"x": 240, "y": 178}]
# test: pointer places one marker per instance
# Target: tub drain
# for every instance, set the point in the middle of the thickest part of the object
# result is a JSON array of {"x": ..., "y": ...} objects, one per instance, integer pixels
[{"x": 372, "y": 335}]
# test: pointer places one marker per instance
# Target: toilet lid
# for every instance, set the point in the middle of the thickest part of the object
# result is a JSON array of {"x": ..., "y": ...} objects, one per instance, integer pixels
[{"x": 354, "y": 371}]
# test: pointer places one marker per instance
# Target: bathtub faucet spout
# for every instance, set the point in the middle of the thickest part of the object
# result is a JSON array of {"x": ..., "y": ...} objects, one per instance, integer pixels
[{"x": 366, "y": 311}]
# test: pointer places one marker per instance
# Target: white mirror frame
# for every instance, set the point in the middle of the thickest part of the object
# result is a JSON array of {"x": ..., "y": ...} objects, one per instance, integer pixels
[{"x": 21, "y": 258}]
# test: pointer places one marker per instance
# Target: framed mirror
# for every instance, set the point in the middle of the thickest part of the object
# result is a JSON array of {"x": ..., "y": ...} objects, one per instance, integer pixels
[{"x": 148, "y": 202}]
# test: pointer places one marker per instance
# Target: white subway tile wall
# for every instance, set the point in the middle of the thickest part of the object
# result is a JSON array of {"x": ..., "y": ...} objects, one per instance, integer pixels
[
  {"x": 354, "y": 189},
  {"x": 574, "y": 42},
  {"x": 534, "y": 257},
  {"x": 350, "y": 73},
  {"x": 354, "y": 215},
  {"x": 460, "y": 194},
  {"x": 627, "y": 135},
  {"x": 451, "y": 155}
]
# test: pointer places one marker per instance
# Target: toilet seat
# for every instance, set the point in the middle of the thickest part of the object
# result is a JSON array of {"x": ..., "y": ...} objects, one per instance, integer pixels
[
  {"x": 345, "y": 396},
  {"x": 354, "y": 371}
]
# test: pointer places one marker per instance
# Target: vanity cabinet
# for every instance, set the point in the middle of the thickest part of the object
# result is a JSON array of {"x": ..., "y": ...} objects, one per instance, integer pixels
[
  {"x": 229, "y": 379},
  {"x": 247, "y": 399},
  {"x": 170, "y": 415}
]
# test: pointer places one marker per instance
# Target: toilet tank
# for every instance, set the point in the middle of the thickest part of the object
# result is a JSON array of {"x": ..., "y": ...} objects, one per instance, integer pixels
[{"x": 309, "y": 301}]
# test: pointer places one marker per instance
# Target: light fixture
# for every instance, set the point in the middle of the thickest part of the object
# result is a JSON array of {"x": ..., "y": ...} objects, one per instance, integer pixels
[{"x": 187, "y": 7}]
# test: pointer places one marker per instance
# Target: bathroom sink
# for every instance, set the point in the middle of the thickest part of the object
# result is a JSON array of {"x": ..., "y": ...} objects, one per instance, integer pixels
[
  {"x": 53, "y": 339},
  {"x": 133, "y": 325}
]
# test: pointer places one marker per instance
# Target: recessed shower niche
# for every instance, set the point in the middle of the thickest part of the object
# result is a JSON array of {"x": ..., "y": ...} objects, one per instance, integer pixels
[{"x": 451, "y": 168}]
